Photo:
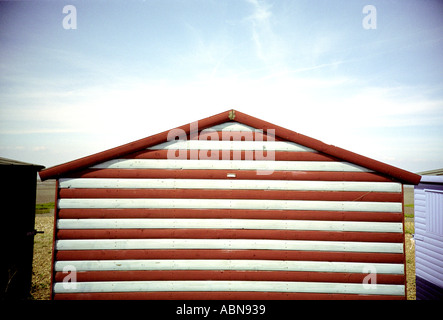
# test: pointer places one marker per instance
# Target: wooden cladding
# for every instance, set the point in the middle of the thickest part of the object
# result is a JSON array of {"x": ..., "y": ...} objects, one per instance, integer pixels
[{"x": 228, "y": 219}]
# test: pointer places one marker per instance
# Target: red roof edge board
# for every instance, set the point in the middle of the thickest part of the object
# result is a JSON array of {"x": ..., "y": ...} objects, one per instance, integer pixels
[
  {"x": 233, "y": 115},
  {"x": 399, "y": 174}
]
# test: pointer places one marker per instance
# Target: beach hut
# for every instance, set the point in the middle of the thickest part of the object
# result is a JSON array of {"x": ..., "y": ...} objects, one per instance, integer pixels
[
  {"x": 428, "y": 204},
  {"x": 228, "y": 207}
]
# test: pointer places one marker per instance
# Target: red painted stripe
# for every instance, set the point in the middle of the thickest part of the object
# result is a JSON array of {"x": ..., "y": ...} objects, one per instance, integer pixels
[
  {"x": 222, "y": 174},
  {"x": 230, "y": 254},
  {"x": 230, "y": 155},
  {"x": 228, "y": 234},
  {"x": 219, "y": 296},
  {"x": 232, "y": 194},
  {"x": 150, "y": 275},
  {"x": 230, "y": 214}
]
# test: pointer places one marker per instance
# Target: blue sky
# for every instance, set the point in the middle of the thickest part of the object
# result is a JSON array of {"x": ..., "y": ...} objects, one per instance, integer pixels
[{"x": 134, "y": 68}]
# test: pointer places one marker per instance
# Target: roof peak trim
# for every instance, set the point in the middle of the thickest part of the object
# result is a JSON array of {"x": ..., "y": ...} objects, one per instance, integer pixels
[{"x": 237, "y": 116}]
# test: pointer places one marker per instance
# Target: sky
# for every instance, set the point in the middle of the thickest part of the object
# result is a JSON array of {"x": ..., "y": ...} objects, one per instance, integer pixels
[{"x": 366, "y": 76}]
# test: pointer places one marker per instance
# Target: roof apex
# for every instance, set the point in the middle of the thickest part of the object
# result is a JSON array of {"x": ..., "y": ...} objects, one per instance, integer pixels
[{"x": 237, "y": 116}]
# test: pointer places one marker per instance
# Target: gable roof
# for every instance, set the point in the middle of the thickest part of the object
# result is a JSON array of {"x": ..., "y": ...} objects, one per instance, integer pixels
[{"x": 237, "y": 116}]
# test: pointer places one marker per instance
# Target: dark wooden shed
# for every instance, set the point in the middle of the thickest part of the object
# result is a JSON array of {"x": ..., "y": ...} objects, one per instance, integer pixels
[{"x": 17, "y": 199}]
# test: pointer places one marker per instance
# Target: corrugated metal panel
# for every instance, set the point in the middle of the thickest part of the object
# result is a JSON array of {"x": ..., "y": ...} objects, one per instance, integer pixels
[
  {"x": 428, "y": 197},
  {"x": 294, "y": 224}
]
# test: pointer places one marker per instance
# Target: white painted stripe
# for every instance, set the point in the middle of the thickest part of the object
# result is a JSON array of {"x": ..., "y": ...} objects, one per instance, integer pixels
[
  {"x": 255, "y": 286},
  {"x": 233, "y": 126},
  {"x": 94, "y": 183},
  {"x": 230, "y": 145},
  {"x": 229, "y": 224},
  {"x": 230, "y": 204},
  {"x": 231, "y": 244},
  {"x": 230, "y": 165},
  {"x": 245, "y": 265}
]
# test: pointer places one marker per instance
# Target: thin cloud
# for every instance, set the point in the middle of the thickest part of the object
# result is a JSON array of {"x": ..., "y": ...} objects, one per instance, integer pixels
[{"x": 262, "y": 34}]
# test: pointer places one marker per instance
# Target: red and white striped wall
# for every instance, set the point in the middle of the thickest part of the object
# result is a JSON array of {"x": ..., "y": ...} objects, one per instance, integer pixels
[
  {"x": 146, "y": 226},
  {"x": 204, "y": 226}
]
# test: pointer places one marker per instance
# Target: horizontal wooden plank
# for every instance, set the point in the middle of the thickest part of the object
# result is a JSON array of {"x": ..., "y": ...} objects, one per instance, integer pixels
[
  {"x": 231, "y": 244},
  {"x": 204, "y": 295},
  {"x": 137, "y": 275},
  {"x": 230, "y": 204},
  {"x": 230, "y": 155},
  {"x": 258, "y": 224},
  {"x": 268, "y": 286},
  {"x": 231, "y": 194},
  {"x": 224, "y": 174},
  {"x": 231, "y": 145},
  {"x": 94, "y": 183},
  {"x": 230, "y": 265},
  {"x": 232, "y": 214},
  {"x": 229, "y": 254},
  {"x": 230, "y": 165},
  {"x": 240, "y": 265},
  {"x": 228, "y": 234}
]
